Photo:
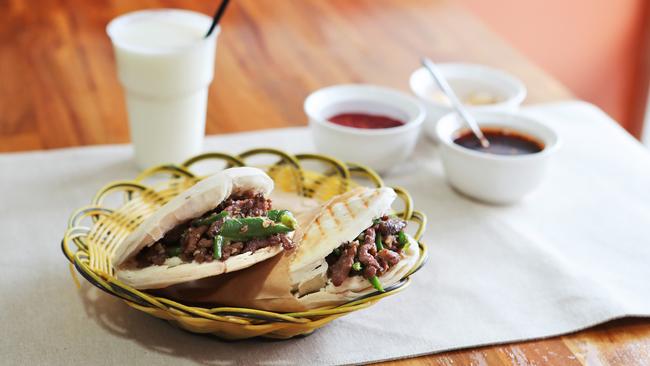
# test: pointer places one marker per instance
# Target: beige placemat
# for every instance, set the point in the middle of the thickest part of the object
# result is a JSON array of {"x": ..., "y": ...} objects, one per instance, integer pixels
[{"x": 572, "y": 255}]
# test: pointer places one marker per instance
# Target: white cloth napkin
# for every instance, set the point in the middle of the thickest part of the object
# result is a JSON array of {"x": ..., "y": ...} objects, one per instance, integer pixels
[{"x": 573, "y": 254}]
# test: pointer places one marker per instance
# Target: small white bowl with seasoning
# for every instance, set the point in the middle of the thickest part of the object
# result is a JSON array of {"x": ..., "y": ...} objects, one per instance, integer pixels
[
  {"x": 512, "y": 166},
  {"x": 479, "y": 88},
  {"x": 365, "y": 124}
]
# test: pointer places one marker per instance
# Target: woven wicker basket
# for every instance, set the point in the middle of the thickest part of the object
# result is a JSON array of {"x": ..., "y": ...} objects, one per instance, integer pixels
[{"x": 95, "y": 230}]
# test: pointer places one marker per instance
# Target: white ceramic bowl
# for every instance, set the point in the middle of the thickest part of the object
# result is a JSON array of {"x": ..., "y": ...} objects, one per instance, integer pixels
[
  {"x": 380, "y": 149},
  {"x": 466, "y": 79},
  {"x": 491, "y": 178}
]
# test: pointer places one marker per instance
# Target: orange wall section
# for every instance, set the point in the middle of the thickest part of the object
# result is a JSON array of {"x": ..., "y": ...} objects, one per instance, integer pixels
[{"x": 594, "y": 47}]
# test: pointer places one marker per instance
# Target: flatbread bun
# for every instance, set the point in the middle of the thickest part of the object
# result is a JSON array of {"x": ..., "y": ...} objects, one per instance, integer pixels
[
  {"x": 340, "y": 220},
  {"x": 194, "y": 202},
  {"x": 174, "y": 271}
]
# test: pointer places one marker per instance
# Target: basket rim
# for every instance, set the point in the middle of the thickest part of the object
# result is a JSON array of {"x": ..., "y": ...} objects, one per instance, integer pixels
[{"x": 79, "y": 259}]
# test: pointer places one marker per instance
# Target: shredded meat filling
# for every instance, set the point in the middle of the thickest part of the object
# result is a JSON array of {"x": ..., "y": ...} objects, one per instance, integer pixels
[
  {"x": 361, "y": 257},
  {"x": 246, "y": 206},
  {"x": 196, "y": 243},
  {"x": 154, "y": 254},
  {"x": 390, "y": 225},
  {"x": 367, "y": 253},
  {"x": 341, "y": 268}
]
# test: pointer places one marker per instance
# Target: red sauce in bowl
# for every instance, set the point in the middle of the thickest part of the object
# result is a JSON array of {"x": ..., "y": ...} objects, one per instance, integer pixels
[{"x": 362, "y": 120}]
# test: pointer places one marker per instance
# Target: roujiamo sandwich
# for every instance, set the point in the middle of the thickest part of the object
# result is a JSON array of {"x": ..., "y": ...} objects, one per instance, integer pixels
[{"x": 222, "y": 224}]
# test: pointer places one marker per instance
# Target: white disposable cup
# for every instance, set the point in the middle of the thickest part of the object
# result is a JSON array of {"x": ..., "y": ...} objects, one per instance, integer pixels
[{"x": 165, "y": 70}]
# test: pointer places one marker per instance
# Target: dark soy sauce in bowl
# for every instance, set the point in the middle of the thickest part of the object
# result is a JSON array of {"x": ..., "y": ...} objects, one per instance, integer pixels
[{"x": 502, "y": 142}]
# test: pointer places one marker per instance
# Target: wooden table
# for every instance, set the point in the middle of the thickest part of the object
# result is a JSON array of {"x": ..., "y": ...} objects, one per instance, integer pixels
[{"x": 58, "y": 88}]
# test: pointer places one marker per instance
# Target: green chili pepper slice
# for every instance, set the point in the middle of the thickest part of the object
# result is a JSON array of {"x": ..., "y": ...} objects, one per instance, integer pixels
[
  {"x": 275, "y": 215},
  {"x": 376, "y": 284},
  {"x": 217, "y": 247},
  {"x": 378, "y": 242},
  {"x": 403, "y": 240},
  {"x": 284, "y": 217},
  {"x": 356, "y": 266},
  {"x": 288, "y": 220},
  {"x": 251, "y": 227},
  {"x": 210, "y": 219},
  {"x": 174, "y": 251}
]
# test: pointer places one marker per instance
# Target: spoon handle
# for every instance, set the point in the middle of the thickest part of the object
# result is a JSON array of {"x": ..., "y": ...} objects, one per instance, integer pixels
[{"x": 455, "y": 102}]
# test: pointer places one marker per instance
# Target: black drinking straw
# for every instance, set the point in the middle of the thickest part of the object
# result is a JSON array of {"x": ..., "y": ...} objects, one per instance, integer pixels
[{"x": 217, "y": 17}]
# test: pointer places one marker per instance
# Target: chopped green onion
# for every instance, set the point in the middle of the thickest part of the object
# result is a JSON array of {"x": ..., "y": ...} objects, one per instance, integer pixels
[
  {"x": 356, "y": 266},
  {"x": 376, "y": 221},
  {"x": 376, "y": 284},
  {"x": 337, "y": 251},
  {"x": 378, "y": 242},
  {"x": 218, "y": 247}
]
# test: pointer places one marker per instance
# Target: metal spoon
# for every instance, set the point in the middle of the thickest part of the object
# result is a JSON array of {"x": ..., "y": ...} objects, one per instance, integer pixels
[{"x": 455, "y": 102}]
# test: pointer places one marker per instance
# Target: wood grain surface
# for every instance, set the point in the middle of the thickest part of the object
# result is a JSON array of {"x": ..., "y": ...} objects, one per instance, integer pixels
[{"x": 58, "y": 88}]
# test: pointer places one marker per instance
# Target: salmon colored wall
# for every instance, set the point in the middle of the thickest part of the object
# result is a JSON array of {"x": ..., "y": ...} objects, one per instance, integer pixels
[{"x": 594, "y": 47}]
